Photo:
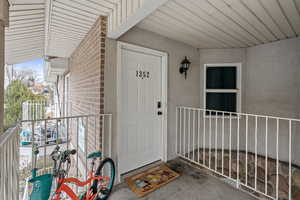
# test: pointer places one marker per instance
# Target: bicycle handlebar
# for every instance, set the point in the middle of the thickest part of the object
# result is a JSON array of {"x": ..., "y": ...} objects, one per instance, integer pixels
[{"x": 62, "y": 157}]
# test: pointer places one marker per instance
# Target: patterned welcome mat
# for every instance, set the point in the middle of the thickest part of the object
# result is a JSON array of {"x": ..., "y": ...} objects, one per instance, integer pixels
[{"x": 150, "y": 180}]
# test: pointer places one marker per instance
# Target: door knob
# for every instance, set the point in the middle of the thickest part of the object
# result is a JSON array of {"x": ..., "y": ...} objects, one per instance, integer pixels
[{"x": 159, "y": 113}]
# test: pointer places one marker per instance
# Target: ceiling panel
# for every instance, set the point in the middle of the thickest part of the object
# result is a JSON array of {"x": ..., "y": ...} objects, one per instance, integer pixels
[
  {"x": 24, "y": 37},
  {"x": 226, "y": 23},
  {"x": 55, "y": 27},
  {"x": 40, "y": 28},
  {"x": 69, "y": 21}
]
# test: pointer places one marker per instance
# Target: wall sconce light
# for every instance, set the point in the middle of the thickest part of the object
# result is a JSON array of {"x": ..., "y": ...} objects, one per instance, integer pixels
[{"x": 184, "y": 66}]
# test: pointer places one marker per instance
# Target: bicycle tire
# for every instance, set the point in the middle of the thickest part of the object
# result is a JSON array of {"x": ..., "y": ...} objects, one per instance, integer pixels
[{"x": 98, "y": 173}]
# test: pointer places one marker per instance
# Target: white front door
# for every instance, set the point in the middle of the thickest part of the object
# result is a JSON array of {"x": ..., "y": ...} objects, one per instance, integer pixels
[{"x": 141, "y": 126}]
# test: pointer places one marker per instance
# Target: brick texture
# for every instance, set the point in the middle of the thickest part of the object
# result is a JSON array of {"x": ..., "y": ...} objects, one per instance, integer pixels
[{"x": 86, "y": 70}]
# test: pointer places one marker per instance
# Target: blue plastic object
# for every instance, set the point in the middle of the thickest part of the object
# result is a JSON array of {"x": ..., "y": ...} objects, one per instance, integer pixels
[{"x": 41, "y": 186}]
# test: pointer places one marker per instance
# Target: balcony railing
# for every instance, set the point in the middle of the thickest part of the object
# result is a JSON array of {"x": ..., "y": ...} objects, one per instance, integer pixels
[
  {"x": 253, "y": 152},
  {"x": 9, "y": 155},
  {"x": 85, "y": 133},
  {"x": 33, "y": 110}
]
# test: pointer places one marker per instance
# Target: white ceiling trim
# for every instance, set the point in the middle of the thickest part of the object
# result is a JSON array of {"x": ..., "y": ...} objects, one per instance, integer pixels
[{"x": 140, "y": 12}]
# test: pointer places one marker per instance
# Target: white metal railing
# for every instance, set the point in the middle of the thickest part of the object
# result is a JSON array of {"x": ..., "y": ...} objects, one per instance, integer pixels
[
  {"x": 33, "y": 110},
  {"x": 85, "y": 133},
  {"x": 9, "y": 155},
  {"x": 236, "y": 145}
]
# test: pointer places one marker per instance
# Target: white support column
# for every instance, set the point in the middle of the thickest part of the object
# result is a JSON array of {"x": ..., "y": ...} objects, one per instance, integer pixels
[{"x": 3, "y": 22}]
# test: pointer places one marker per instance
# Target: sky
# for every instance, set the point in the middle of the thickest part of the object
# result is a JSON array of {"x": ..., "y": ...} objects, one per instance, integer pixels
[{"x": 36, "y": 65}]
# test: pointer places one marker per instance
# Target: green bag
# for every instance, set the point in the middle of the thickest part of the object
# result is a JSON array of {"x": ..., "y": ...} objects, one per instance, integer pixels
[{"x": 41, "y": 187}]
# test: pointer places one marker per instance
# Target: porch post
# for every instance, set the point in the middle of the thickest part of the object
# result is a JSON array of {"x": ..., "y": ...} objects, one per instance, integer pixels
[{"x": 4, "y": 5}]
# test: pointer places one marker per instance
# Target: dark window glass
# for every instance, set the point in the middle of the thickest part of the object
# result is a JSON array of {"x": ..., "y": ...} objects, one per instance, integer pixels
[
  {"x": 221, "y": 78},
  {"x": 221, "y": 101}
]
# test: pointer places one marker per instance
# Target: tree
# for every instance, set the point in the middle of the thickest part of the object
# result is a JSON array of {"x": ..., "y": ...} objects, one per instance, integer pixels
[
  {"x": 15, "y": 94},
  {"x": 26, "y": 76}
]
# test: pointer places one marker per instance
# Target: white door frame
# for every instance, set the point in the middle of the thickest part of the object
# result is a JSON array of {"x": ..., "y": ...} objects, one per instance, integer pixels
[{"x": 164, "y": 100}]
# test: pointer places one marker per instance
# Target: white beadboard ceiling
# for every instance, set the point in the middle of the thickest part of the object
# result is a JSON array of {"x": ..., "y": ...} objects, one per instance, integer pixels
[
  {"x": 24, "y": 38},
  {"x": 226, "y": 23},
  {"x": 70, "y": 20},
  {"x": 41, "y": 28}
]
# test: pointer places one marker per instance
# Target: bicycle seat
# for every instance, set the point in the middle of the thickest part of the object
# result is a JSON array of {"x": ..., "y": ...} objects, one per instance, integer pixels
[{"x": 97, "y": 154}]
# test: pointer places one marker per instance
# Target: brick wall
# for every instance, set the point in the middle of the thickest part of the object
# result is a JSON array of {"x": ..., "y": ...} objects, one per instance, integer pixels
[{"x": 86, "y": 72}]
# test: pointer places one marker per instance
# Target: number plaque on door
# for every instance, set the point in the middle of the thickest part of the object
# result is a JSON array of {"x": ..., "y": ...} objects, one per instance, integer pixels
[{"x": 142, "y": 74}]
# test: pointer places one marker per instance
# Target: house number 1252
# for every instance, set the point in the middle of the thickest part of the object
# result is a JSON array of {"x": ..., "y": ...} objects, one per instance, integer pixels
[{"x": 142, "y": 74}]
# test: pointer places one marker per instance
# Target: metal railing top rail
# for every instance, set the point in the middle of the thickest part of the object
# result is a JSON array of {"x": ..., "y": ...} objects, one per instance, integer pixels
[
  {"x": 8, "y": 134},
  {"x": 69, "y": 117},
  {"x": 240, "y": 113}
]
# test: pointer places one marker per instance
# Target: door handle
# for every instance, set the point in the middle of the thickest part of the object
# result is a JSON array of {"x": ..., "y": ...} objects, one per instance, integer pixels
[{"x": 159, "y": 113}]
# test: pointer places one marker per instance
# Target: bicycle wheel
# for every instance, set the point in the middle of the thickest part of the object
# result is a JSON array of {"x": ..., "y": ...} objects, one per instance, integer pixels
[{"x": 103, "y": 188}]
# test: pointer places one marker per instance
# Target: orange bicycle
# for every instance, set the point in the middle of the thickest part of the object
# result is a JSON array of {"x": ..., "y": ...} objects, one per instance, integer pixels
[
  {"x": 99, "y": 185},
  {"x": 99, "y": 182}
]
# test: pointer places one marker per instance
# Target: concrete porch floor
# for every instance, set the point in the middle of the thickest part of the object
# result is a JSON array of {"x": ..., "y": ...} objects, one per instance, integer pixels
[{"x": 193, "y": 184}]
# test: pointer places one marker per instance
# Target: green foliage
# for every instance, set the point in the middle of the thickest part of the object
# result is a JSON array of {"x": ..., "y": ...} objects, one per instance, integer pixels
[{"x": 15, "y": 94}]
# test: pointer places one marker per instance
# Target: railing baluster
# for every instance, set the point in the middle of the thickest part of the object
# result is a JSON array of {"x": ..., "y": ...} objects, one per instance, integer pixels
[
  {"x": 95, "y": 131},
  {"x": 266, "y": 158},
  {"x": 86, "y": 137},
  {"x": 246, "y": 161},
  {"x": 209, "y": 146},
  {"x": 184, "y": 130},
  {"x": 230, "y": 124},
  {"x": 33, "y": 141},
  {"x": 204, "y": 138},
  {"x": 255, "y": 179},
  {"x": 189, "y": 133},
  {"x": 238, "y": 151},
  {"x": 277, "y": 158},
  {"x": 77, "y": 147},
  {"x": 223, "y": 127},
  {"x": 193, "y": 135},
  {"x": 198, "y": 118},
  {"x": 290, "y": 160},
  {"x": 110, "y": 136},
  {"x": 68, "y": 132},
  {"x": 45, "y": 148},
  {"x": 103, "y": 137},
  {"x": 180, "y": 131},
  {"x": 216, "y": 142},
  {"x": 176, "y": 131},
  {"x": 57, "y": 134}
]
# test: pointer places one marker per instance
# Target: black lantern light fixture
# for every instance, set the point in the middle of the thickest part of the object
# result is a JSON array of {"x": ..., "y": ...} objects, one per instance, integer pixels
[{"x": 184, "y": 66}]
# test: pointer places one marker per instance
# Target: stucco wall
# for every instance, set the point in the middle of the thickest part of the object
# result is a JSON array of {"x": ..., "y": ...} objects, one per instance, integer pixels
[
  {"x": 272, "y": 81},
  {"x": 180, "y": 91},
  {"x": 270, "y": 84},
  {"x": 272, "y": 87}
]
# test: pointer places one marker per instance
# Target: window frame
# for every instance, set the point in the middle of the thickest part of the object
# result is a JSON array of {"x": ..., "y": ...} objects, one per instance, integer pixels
[{"x": 238, "y": 90}]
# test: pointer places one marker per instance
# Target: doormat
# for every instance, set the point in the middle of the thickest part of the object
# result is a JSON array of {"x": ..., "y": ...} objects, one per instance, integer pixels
[{"x": 150, "y": 180}]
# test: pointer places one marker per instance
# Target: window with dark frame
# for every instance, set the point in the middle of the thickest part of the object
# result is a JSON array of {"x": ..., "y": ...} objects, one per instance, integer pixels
[{"x": 222, "y": 88}]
